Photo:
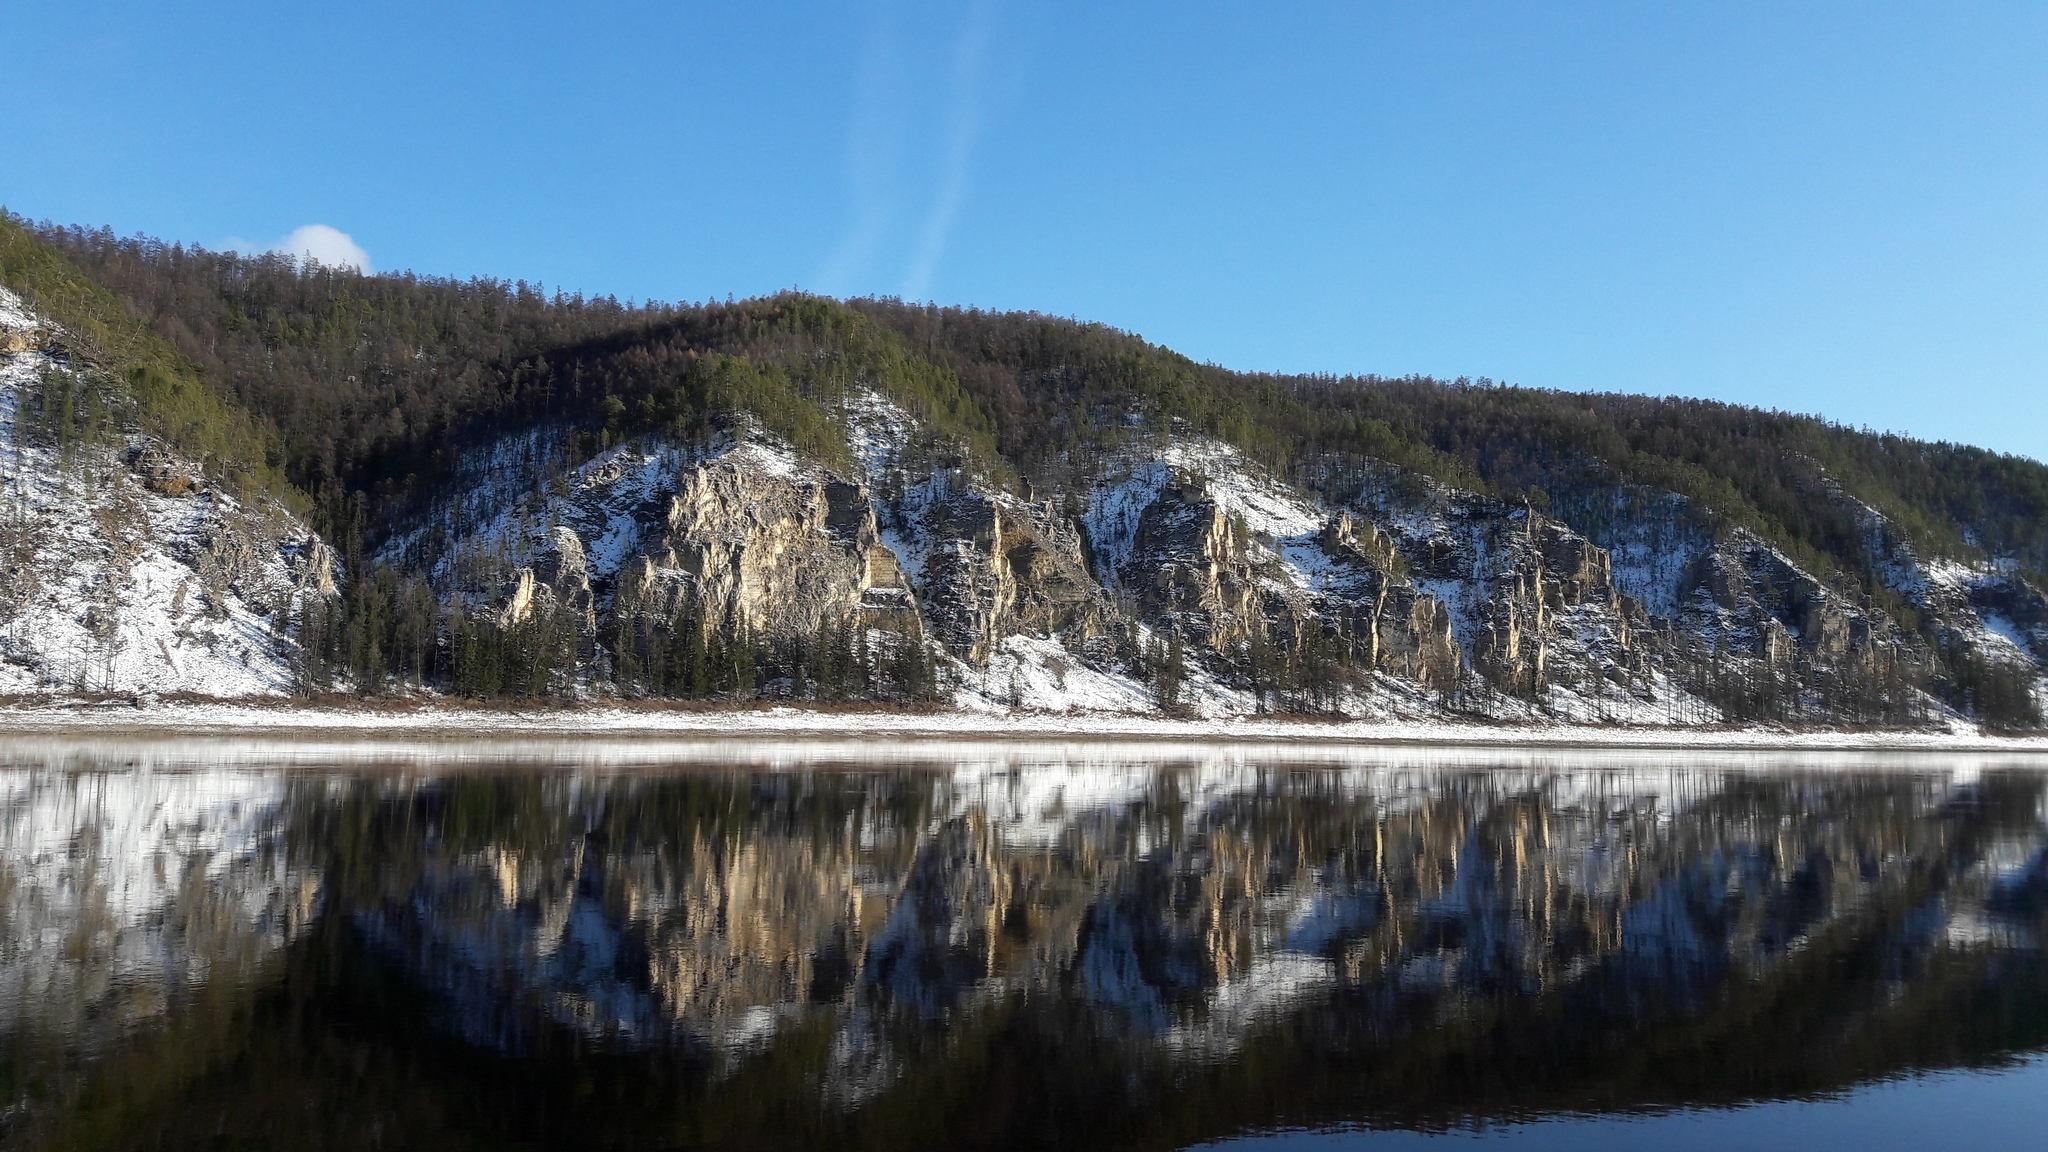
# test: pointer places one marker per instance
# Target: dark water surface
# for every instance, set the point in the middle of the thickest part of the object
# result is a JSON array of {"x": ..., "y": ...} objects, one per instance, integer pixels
[{"x": 235, "y": 945}]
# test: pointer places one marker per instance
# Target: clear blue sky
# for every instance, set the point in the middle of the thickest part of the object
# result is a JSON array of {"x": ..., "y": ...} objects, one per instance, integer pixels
[{"x": 1830, "y": 208}]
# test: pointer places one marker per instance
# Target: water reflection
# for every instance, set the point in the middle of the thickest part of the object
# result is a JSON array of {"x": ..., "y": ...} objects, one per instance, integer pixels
[{"x": 984, "y": 946}]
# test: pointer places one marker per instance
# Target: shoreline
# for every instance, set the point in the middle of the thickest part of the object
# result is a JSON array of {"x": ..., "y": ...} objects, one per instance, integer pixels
[{"x": 442, "y": 724}]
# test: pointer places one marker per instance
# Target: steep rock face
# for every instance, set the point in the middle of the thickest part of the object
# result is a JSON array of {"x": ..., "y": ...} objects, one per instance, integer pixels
[
  {"x": 1751, "y": 596},
  {"x": 1551, "y": 613},
  {"x": 1405, "y": 632},
  {"x": 780, "y": 556},
  {"x": 1532, "y": 602},
  {"x": 123, "y": 568},
  {"x": 557, "y": 584},
  {"x": 990, "y": 567},
  {"x": 1191, "y": 568},
  {"x": 1206, "y": 547},
  {"x": 735, "y": 538}
]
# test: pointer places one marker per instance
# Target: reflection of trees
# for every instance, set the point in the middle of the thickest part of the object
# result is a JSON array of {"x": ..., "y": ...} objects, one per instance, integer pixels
[{"x": 885, "y": 957}]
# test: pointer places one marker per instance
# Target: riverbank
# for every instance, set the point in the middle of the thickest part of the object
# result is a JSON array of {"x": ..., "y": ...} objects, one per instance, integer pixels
[{"x": 444, "y": 722}]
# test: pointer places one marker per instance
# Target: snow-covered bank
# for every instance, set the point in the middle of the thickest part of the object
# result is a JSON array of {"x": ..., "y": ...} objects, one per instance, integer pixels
[{"x": 869, "y": 729}]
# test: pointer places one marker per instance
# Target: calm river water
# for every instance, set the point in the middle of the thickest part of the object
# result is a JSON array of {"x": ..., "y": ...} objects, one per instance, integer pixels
[{"x": 225, "y": 944}]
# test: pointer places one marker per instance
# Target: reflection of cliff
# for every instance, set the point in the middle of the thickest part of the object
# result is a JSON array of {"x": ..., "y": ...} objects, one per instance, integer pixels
[{"x": 1196, "y": 908}]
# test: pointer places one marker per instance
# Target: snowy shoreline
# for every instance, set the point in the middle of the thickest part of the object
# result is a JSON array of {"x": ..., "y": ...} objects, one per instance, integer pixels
[{"x": 445, "y": 724}]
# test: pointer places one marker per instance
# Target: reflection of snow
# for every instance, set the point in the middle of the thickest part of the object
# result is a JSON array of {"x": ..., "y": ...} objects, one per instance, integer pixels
[
  {"x": 1257, "y": 999},
  {"x": 1187, "y": 891},
  {"x": 123, "y": 890}
]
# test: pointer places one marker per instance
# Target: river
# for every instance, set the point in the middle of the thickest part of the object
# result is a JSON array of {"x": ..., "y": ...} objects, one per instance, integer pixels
[{"x": 245, "y": 944}]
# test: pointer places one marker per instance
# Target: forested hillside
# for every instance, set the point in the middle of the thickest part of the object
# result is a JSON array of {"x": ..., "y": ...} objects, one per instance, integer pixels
[
  {"x": 370, "y": 378},
  {"x": 387, "y": 404}
]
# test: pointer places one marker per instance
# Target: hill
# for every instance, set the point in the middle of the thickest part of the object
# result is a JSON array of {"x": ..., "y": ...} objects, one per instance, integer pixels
[{"x": 797, "y": 496}]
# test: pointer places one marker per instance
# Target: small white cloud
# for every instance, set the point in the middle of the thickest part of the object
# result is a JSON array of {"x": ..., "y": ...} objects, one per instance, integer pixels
[{"x": 329, "y": 246}]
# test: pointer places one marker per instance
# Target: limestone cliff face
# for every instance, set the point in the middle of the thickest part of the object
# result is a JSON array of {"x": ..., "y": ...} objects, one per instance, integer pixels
[
  {"x": 991, "y": 567},
  {"x": 779, "y": 556},
  {"x": 1190, "y": 568},
  {"x": 1405, "y": 585},
  {"x": 556, "y": 583},
  {"x": 1230, "y": 570},
  {"x": 1406, "y": 633},
  {"x": 740, "y": 541},
  {"x": 1533, "y": 602},
  {"x": 1551, "y": 613}
]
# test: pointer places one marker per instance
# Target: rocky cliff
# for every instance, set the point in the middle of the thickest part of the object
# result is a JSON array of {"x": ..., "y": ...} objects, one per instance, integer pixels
[
  {"x": 1180, "y": 575},
  {"x": 716, "y": 559}
]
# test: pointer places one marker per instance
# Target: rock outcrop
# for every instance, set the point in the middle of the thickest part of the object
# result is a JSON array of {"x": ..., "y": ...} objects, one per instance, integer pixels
[
  {"x": 1192, "y": 569},
  {"x": 1404, "y": 632},
  {"x": 2012, "y": 600},
  {"x": 737, "y": 541},
  {"x": 992, "y": 567},
  {"x": 1550, "y": 613},
  {"x": 778, "y": 556},
  {"x": 1751, "y": 597},
  {"x": 1187, "y": 564},
  {"x": 1533, "y": 603}
]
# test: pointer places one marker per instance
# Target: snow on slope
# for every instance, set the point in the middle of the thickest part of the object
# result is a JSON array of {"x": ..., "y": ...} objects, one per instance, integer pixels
[
  {"x": 1963, "y": 597},
  {"x": 1037, "y": 674},
  {"x": 877, "y": 428},
  {"x": 118, "y": 585},
  {"x": 1280, "y": 520},
  {"x": 1652, "y": 539}
]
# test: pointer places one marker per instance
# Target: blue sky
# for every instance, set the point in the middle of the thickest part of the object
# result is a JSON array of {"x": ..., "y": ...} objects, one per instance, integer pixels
[{"x": 1831, "y": 208}]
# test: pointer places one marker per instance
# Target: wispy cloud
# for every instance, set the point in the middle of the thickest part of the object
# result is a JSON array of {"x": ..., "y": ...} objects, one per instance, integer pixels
[
  {"x": 965, "y": 123},
  {"x": 329, "y": 246},
  {"x": 910, "y": 151}
]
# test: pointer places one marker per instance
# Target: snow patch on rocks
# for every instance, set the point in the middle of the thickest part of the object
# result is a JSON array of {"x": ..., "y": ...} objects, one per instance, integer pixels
[
  {"x": 504, "y": 520},
  {"x": 877, "y": 428},
  {"x": 1037, "y": 674},
  {"x": 1281, "y": 521}
]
